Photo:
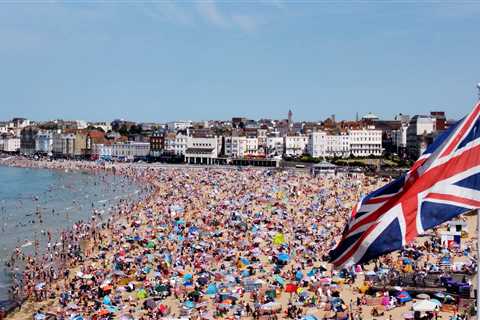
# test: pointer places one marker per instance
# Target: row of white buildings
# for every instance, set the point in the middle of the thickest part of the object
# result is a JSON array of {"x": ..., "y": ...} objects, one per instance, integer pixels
[{"x": 360, "y": 143}]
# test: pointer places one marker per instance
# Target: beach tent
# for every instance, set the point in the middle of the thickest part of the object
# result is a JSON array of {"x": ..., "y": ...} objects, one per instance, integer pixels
[{"x": 403, "y": 296}]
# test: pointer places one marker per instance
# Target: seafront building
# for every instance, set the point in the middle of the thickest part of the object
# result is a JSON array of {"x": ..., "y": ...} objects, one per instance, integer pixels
[
  {"x": 130, "y": 150},
  {"x": 72, "y": 144},
  {"x": 9, "y": 143},
  {"x": 365, "y": 142},
  {"x": 44, "y": 142},
  {"x": 202, "y": 150},
  {"x": 219, "y": 141},
  {"x": 420, "y": 132},
  {"x": 27, "y": 140}
]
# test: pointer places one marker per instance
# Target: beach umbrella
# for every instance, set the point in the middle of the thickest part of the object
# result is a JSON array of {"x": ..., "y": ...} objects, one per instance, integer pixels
[
  {"x": 119, "y": 273},
  {"x": 141, "y": 294},
  {"x": 279, "y": 279},
  {"x": 162, "y": 308},
  {"x": 271, "y": 306},
  {"x": 111, "y": 309},
  {"x": 424, "y": 306},
  {"x": 212, "y": 289},
  {"x": 283, "y": 257},
  {"x": 298, "y": 275},
  {"x": 40, "y": 316},
  {"x": 40, "y": 286},
  {"x": 150, "y": 245},
  {"x": 245, "y": 261},
  {"x": 312, "y": 272},
  {"x": 291, "y": 288},
  {"x": 439, "y": 295},
  {"x": 103, "y": 312},
  {"x": 438, "y": 303},
  {"x": 309, "y": 317},
  {"x": 423, "y": 296},
  {"x": 72, "y": 306},
  {"x": 278, "y": 239},
  {"x": 408, "y": 315},
  {"x": 107, "y": 301},
  {"x": 161, "y": 288},
  {"x": 189, "y": 304},
  {"x": 150, "y": 304},
  {"x": 336, "y": 302}
]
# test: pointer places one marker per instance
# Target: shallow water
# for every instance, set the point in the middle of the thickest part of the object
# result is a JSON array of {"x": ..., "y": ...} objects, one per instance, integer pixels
[{"x": 33, "y": 201}]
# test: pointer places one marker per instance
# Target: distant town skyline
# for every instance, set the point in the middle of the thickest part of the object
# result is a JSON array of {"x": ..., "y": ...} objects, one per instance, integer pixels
[{"x": 161, "y": 61}]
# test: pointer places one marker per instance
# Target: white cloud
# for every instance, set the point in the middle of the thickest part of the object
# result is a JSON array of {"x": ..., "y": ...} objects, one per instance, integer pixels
[{"x": 209, "y": 11}]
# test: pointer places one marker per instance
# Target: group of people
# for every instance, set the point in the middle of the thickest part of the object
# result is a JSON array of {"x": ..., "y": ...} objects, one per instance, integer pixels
[{"x": 202, "y": 243}]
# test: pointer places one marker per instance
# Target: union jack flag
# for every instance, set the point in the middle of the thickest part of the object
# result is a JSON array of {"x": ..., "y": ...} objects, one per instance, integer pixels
[{"x": 443, "y": 183}]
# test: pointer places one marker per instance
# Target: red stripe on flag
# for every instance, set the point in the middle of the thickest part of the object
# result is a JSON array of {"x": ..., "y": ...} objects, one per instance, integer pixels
[
  {"x": 449, "y": 197},
  {"x": 354, "y": 248}
]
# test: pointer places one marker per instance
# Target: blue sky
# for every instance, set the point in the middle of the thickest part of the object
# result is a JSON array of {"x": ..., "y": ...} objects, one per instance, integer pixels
[{"x": 207, "y": 59}]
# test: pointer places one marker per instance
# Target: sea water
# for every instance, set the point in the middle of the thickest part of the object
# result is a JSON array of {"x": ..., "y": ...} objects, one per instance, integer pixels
[{"x": 34, "y": 201}]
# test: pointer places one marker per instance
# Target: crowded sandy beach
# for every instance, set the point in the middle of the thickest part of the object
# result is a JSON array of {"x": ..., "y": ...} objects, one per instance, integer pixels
[{"x": 237, "y": 243}]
